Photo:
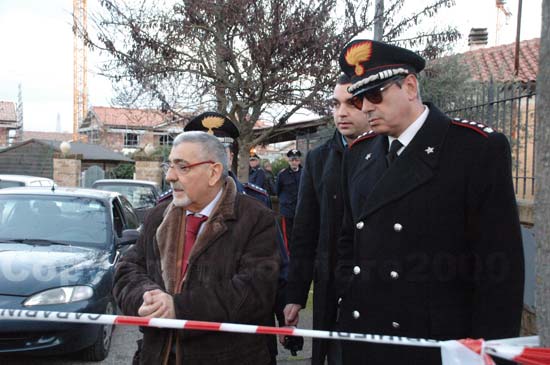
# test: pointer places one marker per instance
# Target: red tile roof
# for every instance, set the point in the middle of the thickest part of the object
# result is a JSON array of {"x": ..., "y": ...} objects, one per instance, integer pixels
[
  {"x": 7, "y": 111},
  {"x": 128, "y": 117},
  {"x": 52, "y": 136},
  {"x": 498, "y": 62}
]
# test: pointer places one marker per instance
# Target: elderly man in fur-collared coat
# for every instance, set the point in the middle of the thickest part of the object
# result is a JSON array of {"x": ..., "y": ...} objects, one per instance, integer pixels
[{"x": 210, "y": 254}]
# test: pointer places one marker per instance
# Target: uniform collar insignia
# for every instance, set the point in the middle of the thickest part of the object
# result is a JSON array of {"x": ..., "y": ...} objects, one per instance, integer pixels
[{"x": 429, "y": 150}]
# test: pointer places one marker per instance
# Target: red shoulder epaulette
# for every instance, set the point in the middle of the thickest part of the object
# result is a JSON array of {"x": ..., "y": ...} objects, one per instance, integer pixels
[
  {"x": 362, "y": 137},
  {"x": 480, "y": 128}
]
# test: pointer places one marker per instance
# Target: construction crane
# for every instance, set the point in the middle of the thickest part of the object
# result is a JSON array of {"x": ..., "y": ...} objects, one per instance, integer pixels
[{"x": 80, "y": 66}]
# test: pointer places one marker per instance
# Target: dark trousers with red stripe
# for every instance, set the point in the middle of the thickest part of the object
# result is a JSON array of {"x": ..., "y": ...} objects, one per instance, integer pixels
[{"x": 287, "y": 223}]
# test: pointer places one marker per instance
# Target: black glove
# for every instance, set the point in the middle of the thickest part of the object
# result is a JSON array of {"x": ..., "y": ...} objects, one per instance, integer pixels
[{"x": 293, "y": 344}]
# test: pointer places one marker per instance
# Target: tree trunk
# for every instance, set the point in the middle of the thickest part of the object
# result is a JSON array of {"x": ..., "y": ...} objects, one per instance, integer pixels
[
  {"x": 542, "y": 179},
  {"x": 379, "y": 20},
  {"x": 242, "y": 162}
]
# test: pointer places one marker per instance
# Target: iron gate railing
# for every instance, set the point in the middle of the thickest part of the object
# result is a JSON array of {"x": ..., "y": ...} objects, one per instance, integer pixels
[{"x": 508, "y": 108}]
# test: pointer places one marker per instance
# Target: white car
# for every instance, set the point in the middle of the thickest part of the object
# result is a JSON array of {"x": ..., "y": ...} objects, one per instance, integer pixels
[{"x": 11, "y": 181}]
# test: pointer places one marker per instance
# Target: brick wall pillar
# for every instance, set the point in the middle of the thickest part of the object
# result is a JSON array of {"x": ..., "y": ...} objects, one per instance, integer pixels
[
  {"x": 67, "y": 170},
  {"x": 148, "y": 168}
]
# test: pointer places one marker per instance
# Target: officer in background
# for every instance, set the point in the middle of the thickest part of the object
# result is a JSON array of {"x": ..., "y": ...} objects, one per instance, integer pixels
[
  {"x": 431, "y": 244},
  {"x": 288, "y": 182},
  {"x": 256, "y": 174}
]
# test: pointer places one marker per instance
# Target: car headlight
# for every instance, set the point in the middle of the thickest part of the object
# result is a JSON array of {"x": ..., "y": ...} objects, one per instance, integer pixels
[{"x": 63, "y": 295}]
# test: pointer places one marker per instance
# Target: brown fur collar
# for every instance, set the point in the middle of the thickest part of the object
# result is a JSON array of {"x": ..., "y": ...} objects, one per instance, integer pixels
[{"x": 170, "y": 235}]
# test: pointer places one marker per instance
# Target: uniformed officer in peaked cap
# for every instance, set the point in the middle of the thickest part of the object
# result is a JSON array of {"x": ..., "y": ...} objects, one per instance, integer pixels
[
  {"x": 423, "y": 253},
  {"x": 288, "y": 182},
  {"x": 256, "y": 175}
]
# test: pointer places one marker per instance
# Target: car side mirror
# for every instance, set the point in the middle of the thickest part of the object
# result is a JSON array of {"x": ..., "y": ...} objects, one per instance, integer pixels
[{"x": 129, "y": 237}]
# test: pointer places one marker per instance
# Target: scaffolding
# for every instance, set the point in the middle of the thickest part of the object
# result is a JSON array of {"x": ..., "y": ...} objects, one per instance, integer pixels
[{"x": 80, "y": 66}]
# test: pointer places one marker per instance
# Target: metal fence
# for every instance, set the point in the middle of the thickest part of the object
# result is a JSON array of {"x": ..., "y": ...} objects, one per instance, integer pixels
[{"x": 506, "y": 107}]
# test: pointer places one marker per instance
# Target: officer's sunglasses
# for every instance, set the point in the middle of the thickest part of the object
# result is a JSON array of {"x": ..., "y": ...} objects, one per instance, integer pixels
[{"x": 374, "y": 96}]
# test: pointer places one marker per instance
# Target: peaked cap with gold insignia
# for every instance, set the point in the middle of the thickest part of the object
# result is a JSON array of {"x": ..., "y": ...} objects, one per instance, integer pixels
[
  {"x": 369, "y": 63},
  {"x": 216, "y": 124}
]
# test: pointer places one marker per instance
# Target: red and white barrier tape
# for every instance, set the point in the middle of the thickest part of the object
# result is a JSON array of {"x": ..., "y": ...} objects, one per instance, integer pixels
[{"x": 454, "y": 352}]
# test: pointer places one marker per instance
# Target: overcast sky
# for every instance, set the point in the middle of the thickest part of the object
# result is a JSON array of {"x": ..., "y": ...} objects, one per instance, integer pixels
[{"x": 37, "y": 52}]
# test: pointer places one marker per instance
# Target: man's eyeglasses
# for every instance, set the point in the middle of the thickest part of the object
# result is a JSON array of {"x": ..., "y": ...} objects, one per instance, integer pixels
[
  {"x": 374, "y": 95},
  {"x": 180, "y": 167}
]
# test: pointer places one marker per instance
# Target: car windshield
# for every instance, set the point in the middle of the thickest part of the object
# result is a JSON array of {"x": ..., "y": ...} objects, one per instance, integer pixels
[
  {"x": 140, "y": 196},
  {"x": 73, "y": 220}
]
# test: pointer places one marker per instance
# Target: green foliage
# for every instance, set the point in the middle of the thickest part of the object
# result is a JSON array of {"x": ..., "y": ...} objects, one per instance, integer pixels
[
  {"x": 446, "y": 81},
  {"x": 278, "y": 165},
  {"x": 162, "y": 151},
  {"x": 123, "y": 171}
]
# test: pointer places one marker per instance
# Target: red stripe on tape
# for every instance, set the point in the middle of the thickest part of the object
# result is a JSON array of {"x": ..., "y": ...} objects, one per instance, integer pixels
[
  {"x": 275, "y": 331},
  {"x": 206, "y": 326},
  {"x": 132, "y": 321}
]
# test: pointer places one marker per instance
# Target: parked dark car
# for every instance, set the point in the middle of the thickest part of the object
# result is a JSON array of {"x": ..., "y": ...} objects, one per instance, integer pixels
[
  {"x": 58, "y": 249},
  {"x": 141, "y": 193}
]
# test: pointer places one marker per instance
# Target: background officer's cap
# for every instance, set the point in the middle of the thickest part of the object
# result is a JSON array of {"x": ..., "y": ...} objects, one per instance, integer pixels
[
  {"x": 369, "y": 63},
  {"x": 294, "y": 153},
  {"x": 216, "y": 124}
]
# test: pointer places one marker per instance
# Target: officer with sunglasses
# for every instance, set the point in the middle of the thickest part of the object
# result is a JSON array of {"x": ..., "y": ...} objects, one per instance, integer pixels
[{"x": 431, "y": 244}]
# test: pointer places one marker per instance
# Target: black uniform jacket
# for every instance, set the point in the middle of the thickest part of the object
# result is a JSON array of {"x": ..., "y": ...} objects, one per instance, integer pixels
[
  {"x": 431, "y": 246},
  {"x": 288, "y": 182},
  {"x": 317, "y": 225}
]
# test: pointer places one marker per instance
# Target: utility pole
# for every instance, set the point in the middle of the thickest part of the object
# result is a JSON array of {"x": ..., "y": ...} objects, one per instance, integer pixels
[
  {"x": 542, "y": 180},
  {"x": 518, "y": 33},
  {"x": 379, "y": 20},
  {"x": 80, "y": 66}
]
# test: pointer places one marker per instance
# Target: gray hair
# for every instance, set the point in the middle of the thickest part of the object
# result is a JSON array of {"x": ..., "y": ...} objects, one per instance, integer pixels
[{"x": 212, "y": 149}]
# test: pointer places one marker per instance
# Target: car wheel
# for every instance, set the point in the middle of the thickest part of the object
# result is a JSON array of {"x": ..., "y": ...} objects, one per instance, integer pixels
[{"x": 100, "y": 349}]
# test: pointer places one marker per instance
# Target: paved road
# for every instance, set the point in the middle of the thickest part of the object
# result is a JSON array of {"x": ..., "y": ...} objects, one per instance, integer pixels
[{"x": 124, "y": 345}]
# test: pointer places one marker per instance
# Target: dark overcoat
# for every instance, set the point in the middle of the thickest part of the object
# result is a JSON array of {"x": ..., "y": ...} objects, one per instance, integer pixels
[
  {"x": 317, "y": 225},
  {"x": 231, "y": 277},
  {"x": 257, "y": 177},
  {"x": 431, "y": 246},
  {"x": 288, "y": 182}
]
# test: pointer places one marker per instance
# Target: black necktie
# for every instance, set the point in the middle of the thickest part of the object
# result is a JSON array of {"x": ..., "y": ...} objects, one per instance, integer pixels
[{"x": 392, "y": 154}]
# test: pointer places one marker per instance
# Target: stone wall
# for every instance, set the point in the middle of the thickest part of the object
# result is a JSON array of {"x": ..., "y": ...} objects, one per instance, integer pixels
[
  {"x": 148, "y": 168},
  {"x": 528, "y": 322},
  {"x": 526, "y": 212},
  {"x": 67, "y": 170},
  {"x": 528, "y": 318}
]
